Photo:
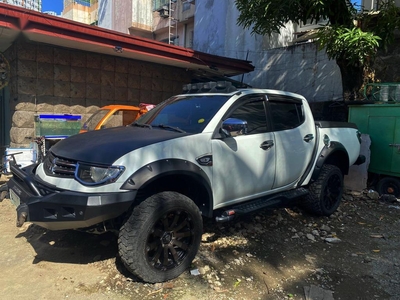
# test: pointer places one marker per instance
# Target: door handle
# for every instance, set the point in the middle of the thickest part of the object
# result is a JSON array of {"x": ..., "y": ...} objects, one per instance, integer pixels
[
  {"x": 395, "y": 146},
  {"x": 267, "y": 144},
  {"x": 308, "y": 137}
]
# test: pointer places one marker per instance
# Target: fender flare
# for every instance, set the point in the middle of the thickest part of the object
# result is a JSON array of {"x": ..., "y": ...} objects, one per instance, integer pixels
[
  {"x": 334, "y": 148},
  {"x": 169, "y": 167}
]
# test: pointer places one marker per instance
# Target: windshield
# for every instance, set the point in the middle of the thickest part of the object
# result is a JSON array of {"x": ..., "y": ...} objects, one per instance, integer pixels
[
  {"x": 91, "y": 123},
  {"x": 184, "y": 113}
]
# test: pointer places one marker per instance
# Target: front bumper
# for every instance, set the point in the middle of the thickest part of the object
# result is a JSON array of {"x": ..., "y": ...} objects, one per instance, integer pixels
[{"x": 56, "y": 209}]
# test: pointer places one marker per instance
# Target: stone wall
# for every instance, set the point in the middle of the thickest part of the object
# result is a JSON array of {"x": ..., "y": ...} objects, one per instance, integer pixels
[{"x": 51, "y": 80}]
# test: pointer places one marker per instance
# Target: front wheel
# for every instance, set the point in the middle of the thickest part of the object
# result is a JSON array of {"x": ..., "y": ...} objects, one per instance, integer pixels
[
  {"x": 326, "y": 192},
  {"x": 3, "y": 192},
  {"x": 161, "y": 237}
]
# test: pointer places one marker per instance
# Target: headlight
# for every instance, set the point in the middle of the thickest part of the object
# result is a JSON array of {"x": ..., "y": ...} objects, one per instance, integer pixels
[{"x": 93, "y": 175}]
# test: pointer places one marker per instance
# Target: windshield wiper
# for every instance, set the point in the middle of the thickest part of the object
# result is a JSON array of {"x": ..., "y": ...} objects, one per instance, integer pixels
[
  {"x": 142, "y": 125},
  {"x": 170, "y": 127}
]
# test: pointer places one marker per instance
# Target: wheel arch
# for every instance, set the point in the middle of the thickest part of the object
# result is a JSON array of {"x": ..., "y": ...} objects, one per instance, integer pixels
[
  {"x": 175, "y": 175},
  {"x": 335, "y": 154}
]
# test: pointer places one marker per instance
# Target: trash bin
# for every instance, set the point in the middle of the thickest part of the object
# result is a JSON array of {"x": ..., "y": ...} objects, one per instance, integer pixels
[{"x": 382, "y": 123}]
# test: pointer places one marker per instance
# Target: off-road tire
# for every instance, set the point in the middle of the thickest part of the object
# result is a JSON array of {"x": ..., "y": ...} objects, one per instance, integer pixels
[
  {"x": 161, "y": 237},
  {"x": 389, "y": 185},
  {"x": 3, "y": 194},
  {"x": 325, "y": 193}
]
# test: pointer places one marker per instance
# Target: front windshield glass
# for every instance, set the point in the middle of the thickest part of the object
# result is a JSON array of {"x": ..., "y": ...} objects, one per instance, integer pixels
[{"x": 184, "y": 113}]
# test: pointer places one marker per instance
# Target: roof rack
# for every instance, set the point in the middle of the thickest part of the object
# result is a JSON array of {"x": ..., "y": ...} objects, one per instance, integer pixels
[{"x": 209, "y": 87}]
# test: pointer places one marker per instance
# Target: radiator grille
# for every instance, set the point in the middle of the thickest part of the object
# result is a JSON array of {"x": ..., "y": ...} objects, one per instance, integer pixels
[{"x": 59, "y": 167}]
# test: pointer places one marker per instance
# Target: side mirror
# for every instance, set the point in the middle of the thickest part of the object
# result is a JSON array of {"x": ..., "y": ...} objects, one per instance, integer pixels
[
  {"x": 233, "y": 127},
  {"x": 224, "y": 133}
]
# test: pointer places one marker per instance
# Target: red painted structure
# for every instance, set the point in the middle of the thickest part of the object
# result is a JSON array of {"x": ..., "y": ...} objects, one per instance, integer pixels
[{"x": 53, "y": 30}]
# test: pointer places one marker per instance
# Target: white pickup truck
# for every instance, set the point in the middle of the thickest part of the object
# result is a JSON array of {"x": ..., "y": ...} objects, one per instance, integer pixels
[{"x": 213, "y": 151}]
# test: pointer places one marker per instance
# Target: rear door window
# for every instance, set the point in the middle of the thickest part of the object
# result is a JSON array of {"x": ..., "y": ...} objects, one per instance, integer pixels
[{"x": 285, "y": 113}]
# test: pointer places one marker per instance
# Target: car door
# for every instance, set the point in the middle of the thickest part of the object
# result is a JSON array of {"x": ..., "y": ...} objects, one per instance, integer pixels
[
  {"x": 294, "y": 138},
  {"x": 244, "y": 163}
]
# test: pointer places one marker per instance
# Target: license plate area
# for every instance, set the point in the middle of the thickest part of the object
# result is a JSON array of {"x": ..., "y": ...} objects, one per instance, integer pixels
[{"x": 15, "y": 199}]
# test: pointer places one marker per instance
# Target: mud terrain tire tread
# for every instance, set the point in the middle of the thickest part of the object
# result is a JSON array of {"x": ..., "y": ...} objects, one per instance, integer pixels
[
  {"x": 133, "y": 240},
  {"x": 316, "y": 201},
  {"x": 3, "y": 194}
]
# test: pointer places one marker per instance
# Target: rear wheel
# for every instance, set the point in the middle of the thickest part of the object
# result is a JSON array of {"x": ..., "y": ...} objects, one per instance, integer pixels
[
  {"x": 389, "y": 185},
  {"x": 161, "y": 237},
  {"x": 326, "y": 192}
]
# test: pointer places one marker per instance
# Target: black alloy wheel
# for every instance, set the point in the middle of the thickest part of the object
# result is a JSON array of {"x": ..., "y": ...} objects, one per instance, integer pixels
[
  {"x": 169, "y": 240},
  {"x": 333, "y": 191},
  {"x": 161, "y": 237},
  {"x": 325, "y": 193}
]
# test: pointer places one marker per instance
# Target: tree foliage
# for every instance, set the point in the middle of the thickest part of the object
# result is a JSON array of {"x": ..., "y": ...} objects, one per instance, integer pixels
[
  {"x": 349, "y": 34},
  {"x": 268, "y": 16},
  {"x": 381, "y": 22},
  {"x": 353, "y": 45}
]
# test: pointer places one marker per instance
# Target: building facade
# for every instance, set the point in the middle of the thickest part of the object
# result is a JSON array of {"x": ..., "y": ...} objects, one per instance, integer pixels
[
  {"x": 375, "y": 4},
  {"x": 169, "y": 21},
  {"x": 28, "y": 4},
  {"x": 173, "y": 22},
  {"x": 130, "y": 17},
  {"x": 83, "y": 11},
  {"x": 211, "y": 27}
]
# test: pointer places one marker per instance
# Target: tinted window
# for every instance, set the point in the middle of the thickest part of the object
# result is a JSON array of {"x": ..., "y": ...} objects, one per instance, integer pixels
[
  {"x": 253, "y": 115},
  {"x": 286, "y": 115}
]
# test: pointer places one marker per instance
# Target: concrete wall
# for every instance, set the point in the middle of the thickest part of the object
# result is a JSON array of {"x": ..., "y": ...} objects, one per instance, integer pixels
[
  {"x": 216, "y": 31},
  {"x": 49, "y": 80},
  {"x": 301, "y": 69}
]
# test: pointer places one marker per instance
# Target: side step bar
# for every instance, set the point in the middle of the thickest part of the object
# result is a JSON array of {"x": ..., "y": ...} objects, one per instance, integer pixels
[{"x": 253, "y": 205}]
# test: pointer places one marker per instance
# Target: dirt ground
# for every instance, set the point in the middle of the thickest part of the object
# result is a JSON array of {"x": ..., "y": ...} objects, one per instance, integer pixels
[{"x": 279, "y": 254}]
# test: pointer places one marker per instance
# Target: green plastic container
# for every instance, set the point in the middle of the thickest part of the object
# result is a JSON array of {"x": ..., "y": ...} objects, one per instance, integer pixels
[{"x": 382, "y": 123}]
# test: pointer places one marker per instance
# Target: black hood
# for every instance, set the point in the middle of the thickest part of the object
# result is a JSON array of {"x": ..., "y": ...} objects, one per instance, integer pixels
[{"x": 107, "y": 145}]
